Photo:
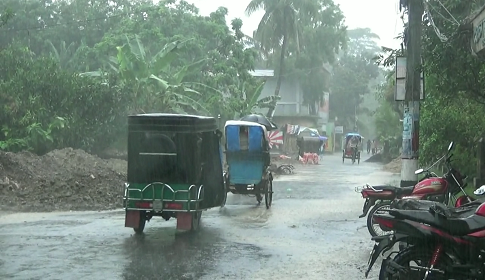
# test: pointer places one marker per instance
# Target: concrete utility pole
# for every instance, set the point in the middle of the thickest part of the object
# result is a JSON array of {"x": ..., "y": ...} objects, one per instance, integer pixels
[{"x": 413, "y": 43}]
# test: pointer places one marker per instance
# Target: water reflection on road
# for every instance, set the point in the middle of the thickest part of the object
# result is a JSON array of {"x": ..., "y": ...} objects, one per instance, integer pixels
[{"x": 311, "y": 232}]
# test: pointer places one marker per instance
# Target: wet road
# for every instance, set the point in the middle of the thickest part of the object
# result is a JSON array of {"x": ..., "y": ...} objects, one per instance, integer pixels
[{"x": 312, "y": 231}]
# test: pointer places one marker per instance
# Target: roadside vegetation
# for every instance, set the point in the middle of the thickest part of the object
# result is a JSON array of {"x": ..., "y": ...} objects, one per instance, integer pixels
[
  {"x": 454, "y": 90},
  {"x": 72, "y": 71}
]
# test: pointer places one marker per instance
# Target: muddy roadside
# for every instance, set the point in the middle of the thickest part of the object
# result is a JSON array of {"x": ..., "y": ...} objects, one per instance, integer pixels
[{"x": 61, "y": 180}]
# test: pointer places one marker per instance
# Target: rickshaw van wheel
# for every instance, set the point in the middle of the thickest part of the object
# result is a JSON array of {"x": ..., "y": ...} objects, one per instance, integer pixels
[{"x": 142, "y": 222}]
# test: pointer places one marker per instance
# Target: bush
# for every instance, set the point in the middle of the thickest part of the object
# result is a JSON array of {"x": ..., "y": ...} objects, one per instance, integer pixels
[{"x": 43, "y": 107}]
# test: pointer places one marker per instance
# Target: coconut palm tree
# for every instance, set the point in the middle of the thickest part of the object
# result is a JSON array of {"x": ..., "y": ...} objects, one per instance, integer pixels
[{"x": 279, "y": 27}]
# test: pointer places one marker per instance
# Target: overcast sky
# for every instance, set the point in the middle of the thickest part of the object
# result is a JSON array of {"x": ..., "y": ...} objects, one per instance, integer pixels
[{"x": 381, "y": 16}]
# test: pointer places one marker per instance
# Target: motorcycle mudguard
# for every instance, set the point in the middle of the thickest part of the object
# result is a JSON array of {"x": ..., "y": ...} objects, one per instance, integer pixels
[
  {"x": 369, "y": 202},
  {"x": 384, "y": 264},
  {"x": 385, "y": 243}
]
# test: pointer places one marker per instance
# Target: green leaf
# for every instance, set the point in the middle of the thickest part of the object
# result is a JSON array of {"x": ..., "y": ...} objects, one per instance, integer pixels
[
  {"x": 180, "y": 75},
  {"x": 165, "y": 85}
]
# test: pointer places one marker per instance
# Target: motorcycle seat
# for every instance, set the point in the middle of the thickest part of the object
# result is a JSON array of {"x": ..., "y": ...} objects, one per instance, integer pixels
[
  {"x": 424, "y": 205},
  {"x": 405, "y": 190},
  {"x": 452, "y": 224},
  {"x": 397, "y": 190}
]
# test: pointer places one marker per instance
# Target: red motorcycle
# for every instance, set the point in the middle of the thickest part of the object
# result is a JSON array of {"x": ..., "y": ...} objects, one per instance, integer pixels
[
  {"x": 445, "y": 243},
  {"x": 440, "y": 189}
]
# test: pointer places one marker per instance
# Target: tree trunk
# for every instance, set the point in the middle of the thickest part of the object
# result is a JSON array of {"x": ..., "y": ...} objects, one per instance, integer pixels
[{"x": 279, "y": 80}]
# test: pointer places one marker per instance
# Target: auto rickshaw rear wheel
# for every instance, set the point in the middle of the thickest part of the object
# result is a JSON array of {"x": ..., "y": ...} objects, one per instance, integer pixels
[
  {"x": 141, "y": 223},
  {"x": 196, "y": 216},
  {"x": 268, "y": 195},
  {"x": 224, "y": 196}
]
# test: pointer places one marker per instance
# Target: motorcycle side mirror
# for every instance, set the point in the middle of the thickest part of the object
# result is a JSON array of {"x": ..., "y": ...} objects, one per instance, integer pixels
[
  {"x": 419, "y": 171},
  {"x": 450, "y": 147}
]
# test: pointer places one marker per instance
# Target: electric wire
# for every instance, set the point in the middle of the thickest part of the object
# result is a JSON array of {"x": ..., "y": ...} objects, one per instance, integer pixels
[
  {"x": 441, "y": 36},
  {"x": 448, "y": 11},
  {"x": 438, "y": 12}
]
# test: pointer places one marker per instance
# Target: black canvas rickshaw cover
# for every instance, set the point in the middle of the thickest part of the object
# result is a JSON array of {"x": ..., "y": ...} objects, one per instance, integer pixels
[
  {"x": 171, "y": 123},
  {"x": 176, "y": 149}
]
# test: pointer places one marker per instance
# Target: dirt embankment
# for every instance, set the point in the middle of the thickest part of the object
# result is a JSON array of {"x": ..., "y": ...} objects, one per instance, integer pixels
[
  {"x": 394, "y": 166},
  {"x": 62, "y": 180}
]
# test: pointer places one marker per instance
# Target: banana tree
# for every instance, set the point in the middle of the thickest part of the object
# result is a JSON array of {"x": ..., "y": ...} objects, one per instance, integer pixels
[
  {"x": 69, "y": 57},
  {"x": 152, "y": 84},
  {"x": 252, "y": 100}
]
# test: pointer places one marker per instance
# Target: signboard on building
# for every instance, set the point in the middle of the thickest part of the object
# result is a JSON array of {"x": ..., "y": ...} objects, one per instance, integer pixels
[
  {"x": 339, "y": 129},
  {"x": 400, "y": 89},
  {"x": 478, "y": 38}
]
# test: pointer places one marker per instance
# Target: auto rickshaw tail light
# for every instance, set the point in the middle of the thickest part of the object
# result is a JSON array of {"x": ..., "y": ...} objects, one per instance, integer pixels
[
  {"x": 175, "y": 206},
  {"x": 141, "y": 204}
]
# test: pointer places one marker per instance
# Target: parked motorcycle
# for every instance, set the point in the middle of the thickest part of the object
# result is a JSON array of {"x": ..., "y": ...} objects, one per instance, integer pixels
[
  {"x": 446, "y": 243},
  {"x": 443, "y": 189}
]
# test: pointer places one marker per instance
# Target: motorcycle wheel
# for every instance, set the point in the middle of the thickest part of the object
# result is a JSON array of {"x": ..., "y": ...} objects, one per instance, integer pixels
[
  {"x": 416, "y": 256},
  {"x": 370, "y": 217}
]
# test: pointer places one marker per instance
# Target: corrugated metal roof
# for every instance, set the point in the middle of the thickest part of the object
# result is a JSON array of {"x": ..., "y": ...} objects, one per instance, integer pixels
[{"x": 262, "y": 73}]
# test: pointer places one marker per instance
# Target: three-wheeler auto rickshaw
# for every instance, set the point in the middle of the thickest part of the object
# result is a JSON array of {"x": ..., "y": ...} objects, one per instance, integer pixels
[
  {"x": 248, "y": 159},
  {"x": 174, "y": 169}
]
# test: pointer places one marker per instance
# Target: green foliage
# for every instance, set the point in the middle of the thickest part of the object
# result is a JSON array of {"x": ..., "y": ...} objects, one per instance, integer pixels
[
  {"x": 453, "y": 86},
  {"x": 454, "y": 89},
  {"x": 152, "y": 87},
  {"x": 44, "y": 107},
  {"x": 5, "y": 16},
  {"x": 134, "y": 56}
]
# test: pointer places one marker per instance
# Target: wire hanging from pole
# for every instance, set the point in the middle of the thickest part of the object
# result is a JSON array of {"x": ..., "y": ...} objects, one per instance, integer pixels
[
  {"x": 438, "y": 12},
  {"x": 456, "y": 21},
  {"x": 441, "y": 36}
]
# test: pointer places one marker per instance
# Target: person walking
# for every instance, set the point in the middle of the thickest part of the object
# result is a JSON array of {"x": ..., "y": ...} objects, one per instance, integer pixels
[{"x": 368, "y": 146}]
